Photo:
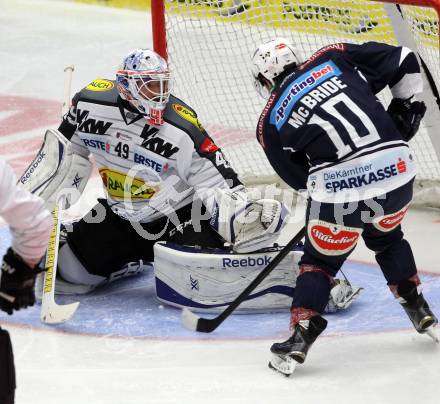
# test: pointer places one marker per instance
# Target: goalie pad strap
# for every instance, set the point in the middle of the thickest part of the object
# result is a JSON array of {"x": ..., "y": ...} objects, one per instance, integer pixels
[{"x": 57, "y": 167}]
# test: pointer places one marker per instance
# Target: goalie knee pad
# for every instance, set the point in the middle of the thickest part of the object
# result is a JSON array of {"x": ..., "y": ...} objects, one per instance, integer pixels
[
  {"x": 74, "y": 278},
  {"x": 7, "y": 369},
  {"x": 207, "y": 280},
  {"x": 72, "y": 270}
]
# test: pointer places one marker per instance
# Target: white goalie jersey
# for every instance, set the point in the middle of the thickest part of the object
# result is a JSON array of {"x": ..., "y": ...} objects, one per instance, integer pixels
[
  {"x": 152, "y": 171},
  {"x": 147, "y": 171}
]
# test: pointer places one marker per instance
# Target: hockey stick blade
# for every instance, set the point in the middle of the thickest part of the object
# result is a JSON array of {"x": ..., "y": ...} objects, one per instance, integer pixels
[
  {"x": 195, "y": 323},
  {"x": 190, "y": 320},
  {"x": 57, "y": 314}
]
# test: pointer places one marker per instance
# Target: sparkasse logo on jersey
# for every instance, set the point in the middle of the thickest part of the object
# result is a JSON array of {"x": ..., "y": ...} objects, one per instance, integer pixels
[
  {"x": 100, "y": 85},
  {"x": 346, "y": 180}
]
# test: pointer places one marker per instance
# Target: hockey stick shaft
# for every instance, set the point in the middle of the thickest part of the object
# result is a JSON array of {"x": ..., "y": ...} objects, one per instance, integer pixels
[
  {"x": 52, "y": 258},
  {"x": 209, "y": 325},
  {"x": 8, "y": 298},
  {"x": 68, "y": 72}
]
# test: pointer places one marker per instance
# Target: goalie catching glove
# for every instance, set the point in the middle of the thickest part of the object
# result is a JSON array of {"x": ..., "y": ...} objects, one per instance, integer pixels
[
  {"x": 407, "y": 116},
  {"x": 17, "y": 283},
  {"x": 248, "y": 225}
]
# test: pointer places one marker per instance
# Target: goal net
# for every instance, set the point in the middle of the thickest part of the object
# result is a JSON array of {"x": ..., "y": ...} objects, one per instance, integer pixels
[{"x": 209, "y": 44}]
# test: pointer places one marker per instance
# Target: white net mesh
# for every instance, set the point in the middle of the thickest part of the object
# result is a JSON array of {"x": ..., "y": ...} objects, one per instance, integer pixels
[{"x": 210, "y": 43}]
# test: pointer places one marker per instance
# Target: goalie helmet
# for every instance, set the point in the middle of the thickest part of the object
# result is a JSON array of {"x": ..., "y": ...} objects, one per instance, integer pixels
[
  {"x": 144, "y": 80},
  {"x": 269, "y": 61}
]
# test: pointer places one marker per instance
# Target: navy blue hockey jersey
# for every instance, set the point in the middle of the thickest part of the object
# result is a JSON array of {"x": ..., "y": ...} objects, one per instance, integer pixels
[{"x": 324, "y": 128}]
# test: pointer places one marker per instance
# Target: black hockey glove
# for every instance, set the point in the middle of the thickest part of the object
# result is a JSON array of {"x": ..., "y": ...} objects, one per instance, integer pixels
[
  {"x": 17, "y": 282},
  {"x": 407, "y": 116}
]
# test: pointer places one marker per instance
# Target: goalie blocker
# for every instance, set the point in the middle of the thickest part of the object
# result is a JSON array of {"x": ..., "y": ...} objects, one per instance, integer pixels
[
  {"x": 58, "y": 167},
  {"x": 207, "y": 280}
]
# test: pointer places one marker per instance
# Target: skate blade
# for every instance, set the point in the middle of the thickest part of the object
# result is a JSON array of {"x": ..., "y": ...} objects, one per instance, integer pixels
[
  {"x": 432, "y": 333},
  {"x": 284, "y": 365}
]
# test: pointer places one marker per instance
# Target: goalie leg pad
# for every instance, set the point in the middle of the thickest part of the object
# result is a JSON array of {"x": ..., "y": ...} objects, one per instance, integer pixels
[
  {"x": 206, "y": 280},
  {"x": 72, "y": 270},
  {"x": 57, "y": 168},
  {"x": 7, "y": 369}
]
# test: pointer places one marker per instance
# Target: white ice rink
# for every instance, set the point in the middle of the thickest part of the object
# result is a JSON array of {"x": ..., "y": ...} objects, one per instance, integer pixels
[{"x": 366, "y": 356}]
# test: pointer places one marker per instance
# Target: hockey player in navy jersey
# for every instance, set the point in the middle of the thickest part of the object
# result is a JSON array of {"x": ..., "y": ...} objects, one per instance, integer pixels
[{"x": 324, "y": 130}]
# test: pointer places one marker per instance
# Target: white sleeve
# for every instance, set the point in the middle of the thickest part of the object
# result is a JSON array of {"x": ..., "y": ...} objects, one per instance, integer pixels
[
  {"x": 204, "y": 167},
  {"x": 30, "y": 222}
]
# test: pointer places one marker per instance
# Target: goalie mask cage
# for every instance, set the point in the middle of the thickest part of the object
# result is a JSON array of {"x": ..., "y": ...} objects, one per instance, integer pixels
[{"x": 209, "y": 44}]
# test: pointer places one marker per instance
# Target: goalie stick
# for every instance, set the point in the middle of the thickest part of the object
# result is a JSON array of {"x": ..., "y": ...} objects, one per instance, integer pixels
[
  {"x": 51, "y": 312},
  {"x": 195, "y": 323},
  {"x": 7, "y": 297}
]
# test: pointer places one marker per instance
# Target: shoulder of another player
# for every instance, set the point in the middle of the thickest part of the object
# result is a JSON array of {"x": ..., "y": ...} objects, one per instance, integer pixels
[{"x": 99, "y": 91}]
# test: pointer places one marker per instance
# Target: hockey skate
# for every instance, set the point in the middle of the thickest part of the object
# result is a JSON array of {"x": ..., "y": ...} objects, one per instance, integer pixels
[
  {"x": 417, "y": 309},
  {"x": 294, "y": 350}
]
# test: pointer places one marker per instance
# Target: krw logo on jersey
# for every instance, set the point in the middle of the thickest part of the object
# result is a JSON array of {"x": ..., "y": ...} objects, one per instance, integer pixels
[
  {"x": 300, "y": 87},
  {"x": 90, "y": 125},
  {"x": 121, "y": 186}
]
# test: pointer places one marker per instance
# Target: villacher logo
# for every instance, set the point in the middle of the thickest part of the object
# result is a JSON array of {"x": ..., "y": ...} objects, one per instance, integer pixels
[{"x": 331, "y": 239}]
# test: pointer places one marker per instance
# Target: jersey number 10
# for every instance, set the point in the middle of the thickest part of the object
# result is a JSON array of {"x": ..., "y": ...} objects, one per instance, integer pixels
[{"x": 342, "y": 148}]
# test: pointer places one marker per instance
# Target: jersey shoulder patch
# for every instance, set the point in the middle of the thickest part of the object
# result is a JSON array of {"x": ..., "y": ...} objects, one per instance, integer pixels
[
  {"x": 100, "y": 91},
  {"x": 179, "y": 114},
  {"x": 327, "y": 52}
]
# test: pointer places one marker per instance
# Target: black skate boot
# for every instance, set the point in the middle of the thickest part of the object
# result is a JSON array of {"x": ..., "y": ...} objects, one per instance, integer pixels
[
  {"x": 294, "y": 350},
  {"x": 417, "y": 308}
]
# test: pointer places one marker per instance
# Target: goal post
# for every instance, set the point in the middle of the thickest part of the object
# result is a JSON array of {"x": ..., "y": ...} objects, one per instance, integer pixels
[{"x": 209, "y": 44}]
